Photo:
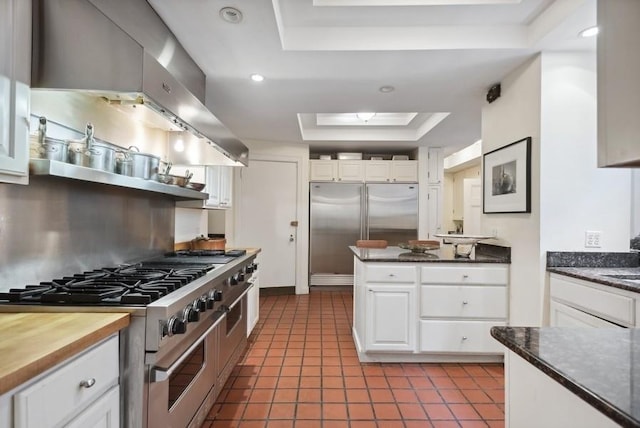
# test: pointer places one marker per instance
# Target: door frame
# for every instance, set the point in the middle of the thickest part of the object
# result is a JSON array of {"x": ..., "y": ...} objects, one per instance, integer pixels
[{"x": 233, "y": 223}]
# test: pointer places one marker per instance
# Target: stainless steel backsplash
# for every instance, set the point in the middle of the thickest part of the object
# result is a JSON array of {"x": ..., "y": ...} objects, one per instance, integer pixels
[{"x": 55, "y": 227}]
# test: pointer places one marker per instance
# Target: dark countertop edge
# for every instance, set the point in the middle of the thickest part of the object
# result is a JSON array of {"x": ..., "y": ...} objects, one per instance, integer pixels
[
  {"x": 592, "y": 277},
  {"x": 593, "y": 259},
  {"x": 604, "y": 406}
]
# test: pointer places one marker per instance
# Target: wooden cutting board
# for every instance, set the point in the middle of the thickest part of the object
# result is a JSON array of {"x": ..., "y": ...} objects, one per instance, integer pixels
[{"x": 31, "y": 343}]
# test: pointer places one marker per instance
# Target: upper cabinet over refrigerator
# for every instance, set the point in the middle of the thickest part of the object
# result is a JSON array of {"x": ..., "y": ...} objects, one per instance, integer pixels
[{"x": 618, "y": 83}]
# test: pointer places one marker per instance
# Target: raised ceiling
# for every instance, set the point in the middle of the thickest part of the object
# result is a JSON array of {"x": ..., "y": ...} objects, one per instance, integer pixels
[{"x": 325, "y": 60}]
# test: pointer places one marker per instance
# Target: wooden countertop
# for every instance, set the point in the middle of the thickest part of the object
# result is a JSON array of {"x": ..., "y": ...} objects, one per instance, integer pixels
[{"x": 31, "y": 343}]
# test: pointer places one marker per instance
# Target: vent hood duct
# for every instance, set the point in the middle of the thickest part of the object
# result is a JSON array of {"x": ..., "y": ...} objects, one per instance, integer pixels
[{"x": 76, "y": 47}]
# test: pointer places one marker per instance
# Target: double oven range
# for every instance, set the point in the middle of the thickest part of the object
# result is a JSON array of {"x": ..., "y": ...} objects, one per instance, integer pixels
[{"x": 188, "y": 327}]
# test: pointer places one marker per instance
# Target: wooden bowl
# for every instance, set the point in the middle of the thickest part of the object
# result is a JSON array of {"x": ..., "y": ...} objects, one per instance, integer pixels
[{"x": 202, "y": 243}]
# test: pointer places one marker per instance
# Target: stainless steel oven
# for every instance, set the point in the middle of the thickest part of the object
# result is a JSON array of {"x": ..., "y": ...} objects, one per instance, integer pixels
[{"x": 177, "y": 386}]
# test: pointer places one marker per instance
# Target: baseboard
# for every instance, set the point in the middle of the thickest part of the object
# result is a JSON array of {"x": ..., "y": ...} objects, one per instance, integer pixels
[{"x": 277, "y": 291}]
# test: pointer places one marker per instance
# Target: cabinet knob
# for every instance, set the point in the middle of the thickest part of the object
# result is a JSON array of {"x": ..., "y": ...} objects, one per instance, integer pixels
[
  {"x": 391, "y": 275},
  {"x": 465, "y": 276},
  {"x": 464, "y": 338},
  {"x": 88, "y": 383},
  {"x": 464, "y": 302}
]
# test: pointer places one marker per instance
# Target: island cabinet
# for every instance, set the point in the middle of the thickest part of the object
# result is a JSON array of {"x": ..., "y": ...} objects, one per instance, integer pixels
[
  {"x": 458, "y": 307},
  {"x": 80, "y": 392},
  {"x": 412, "y": 312}
]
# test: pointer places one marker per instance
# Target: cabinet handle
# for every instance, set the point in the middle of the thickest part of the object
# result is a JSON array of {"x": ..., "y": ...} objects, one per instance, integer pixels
[
  {"x": 465, "y": 276},
  {"x": 464, "y": 302},
  {"x": 464, "y": 338},
  {"x": 88, "y": 383},
  {"x": 391, "y": 275}
]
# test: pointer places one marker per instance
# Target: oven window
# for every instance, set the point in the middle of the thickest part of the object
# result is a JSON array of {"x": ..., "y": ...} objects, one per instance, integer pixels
[
  {"x": 233, "y": 316},
  {"x": 181, "y": 378}
]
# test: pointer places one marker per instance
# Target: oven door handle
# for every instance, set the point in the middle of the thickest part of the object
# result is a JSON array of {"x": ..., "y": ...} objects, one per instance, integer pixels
[
  {"x": 244, "y": 293},
  {"x": 159, "y": 374}
]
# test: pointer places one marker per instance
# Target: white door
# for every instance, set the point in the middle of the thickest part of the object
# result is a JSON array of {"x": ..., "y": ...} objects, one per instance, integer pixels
[
  {"x": 267, "y": 210},
  {"x": 472, "y": 206}
]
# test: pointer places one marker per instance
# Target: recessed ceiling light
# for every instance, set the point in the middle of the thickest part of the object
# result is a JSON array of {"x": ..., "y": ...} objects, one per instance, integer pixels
[
  {"x": 588, "y": 32},
  {"x": 386, "y": 88},
  {"x": 257, "y": 77},
  {"x": 231, "y": 14},
  {"x": 365, "y": 116}
]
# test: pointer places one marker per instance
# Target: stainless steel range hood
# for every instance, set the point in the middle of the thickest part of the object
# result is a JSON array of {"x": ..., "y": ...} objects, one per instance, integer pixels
[{"x": 77, "y": 47}]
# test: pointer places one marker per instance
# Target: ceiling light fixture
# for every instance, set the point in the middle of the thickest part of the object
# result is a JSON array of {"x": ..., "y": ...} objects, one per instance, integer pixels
[
  {"x": 365, "y": 116},
  {"x": 588, "y": 32},
  {"x": 231, "y": 14},
  {"x": 386, "y": 89},
  {"x": 257, "y": 77}
]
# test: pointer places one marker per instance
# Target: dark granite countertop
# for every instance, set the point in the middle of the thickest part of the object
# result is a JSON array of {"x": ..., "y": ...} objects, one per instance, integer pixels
[
  {"x": 483, "y": 253},
  {"x": 608, "y": 380},
  {"x": 612, "y": 269}
]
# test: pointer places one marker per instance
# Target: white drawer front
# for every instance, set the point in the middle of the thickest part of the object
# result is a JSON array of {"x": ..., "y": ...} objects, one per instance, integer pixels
[
  {"x": 459, "y": 336},
  {"x": 55, "y": 397},
  {"x": 391, "y": 273},
  {"x": 451, "y": 301},
  {"x": 608, "y": 305},
  {"x": 464, "y": 275}
]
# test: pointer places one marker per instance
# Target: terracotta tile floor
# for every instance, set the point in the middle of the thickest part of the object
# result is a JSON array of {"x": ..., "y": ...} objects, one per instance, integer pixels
[{"x": 301, "y": 370}]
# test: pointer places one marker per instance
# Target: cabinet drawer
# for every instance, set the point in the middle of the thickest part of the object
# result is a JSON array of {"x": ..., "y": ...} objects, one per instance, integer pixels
[
  {"x": 463, "y": 301},
  {"x": 391, "y": 273},
  {"x": 54, "y": 398},
  {"x": 459, "y": 336},
  {"x": 464, "y": 275},
  {"x": 604, "y": 304}
]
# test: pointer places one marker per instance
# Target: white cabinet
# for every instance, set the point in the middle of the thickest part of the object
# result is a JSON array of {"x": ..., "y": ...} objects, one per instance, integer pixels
[
  {"x": 390, "y": 318},
  {"x": 218, "y": 181},
  {"x": 618, "y": 74},
  {"x": 385, "y": 307},
  {"x": 434, "y": 211},
  {"x": 80, "y": 392},
  {"x": 535, "y": 400},
  {"x": 435, "y": 165},
  {"x": 336, "y": 170},
  {"x": 253, "y": 303},
  {"x": 364, "y": 170},
  {"x": 578, "y": 302},
  {"x": 15, "y": 77},
  {"x": 459, "y": 305}
]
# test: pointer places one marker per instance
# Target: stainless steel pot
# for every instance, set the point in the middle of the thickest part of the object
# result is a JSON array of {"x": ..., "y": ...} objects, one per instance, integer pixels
[
  {"x": 79, "y": 153},
  {"x": 102, "y": 156},
  {"x": 50, "y": 148},
  {"x": 143, "y": 165},
  {"x": 124, "y": 164}
]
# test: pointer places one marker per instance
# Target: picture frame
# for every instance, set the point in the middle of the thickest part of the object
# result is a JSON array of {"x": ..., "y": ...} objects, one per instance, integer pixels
[{"x": 506, "y": 179}]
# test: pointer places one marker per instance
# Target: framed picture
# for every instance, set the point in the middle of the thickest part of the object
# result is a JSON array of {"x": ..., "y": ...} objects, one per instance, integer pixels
[{"x": 507, "y": 179}]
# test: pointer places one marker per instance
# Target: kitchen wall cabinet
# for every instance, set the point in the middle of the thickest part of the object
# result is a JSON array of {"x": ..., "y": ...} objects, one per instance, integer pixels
[
  {"x": 218, "y": 181},
  {"x": 428, "y": 312},
  {"x": 383, "y": 171},
  {"x": 618, "y": 71},
  {"x": 15, "y": 78},
  {"x": 574, "y": 302},
  {"x": 80, "y": 392},
  {"x": 435, "y": 165}
]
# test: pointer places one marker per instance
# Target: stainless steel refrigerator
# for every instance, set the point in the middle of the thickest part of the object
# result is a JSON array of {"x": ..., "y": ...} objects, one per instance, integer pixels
[{"x": 342, "y": 213}]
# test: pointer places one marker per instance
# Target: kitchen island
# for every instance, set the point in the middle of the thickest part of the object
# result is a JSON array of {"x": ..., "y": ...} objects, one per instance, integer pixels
[
  {"x": 429, "y": 307},
  {"x": 566, "y": 377}
]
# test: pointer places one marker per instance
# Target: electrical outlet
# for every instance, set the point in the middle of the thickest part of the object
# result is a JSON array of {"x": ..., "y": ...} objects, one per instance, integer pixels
[{"x": 592, "y": 239}]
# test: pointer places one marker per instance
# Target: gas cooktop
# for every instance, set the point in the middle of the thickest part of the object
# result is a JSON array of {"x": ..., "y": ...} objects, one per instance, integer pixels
[{"x": 138, "y": 284}]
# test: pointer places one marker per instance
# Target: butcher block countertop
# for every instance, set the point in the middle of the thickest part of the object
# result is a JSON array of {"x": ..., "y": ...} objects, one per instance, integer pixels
[{"x": 32, "y": 343}]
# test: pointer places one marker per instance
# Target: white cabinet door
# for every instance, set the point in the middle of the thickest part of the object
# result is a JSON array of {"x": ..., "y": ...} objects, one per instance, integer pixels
[
  {"x": 253, "y": 304},
  {"x": 404, "y": 171},
  {"x": 226, "y": 186},
  {"x": 213, "y": 186},
  {"x": 377, "y": 171},
  {"x": 618, "y": 74},
  {"x": 104, "y": 413},
  {"x": 390, "y": 318},
  {"x": 566, "y": 316},
  {"x": 350, "y": 170},
  {"x": 15, "y": 73},
  {"x": 435, "y": 165},
  {"x": 323, "y": 170},
  {"x": 434, "y": 211}
]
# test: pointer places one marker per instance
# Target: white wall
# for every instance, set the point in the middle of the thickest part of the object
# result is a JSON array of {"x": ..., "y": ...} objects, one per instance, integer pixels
[
  {"x": 190, "y": 223},
  {"x": 553, "y": 99},
  {"x": 513, "y": 116}
]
